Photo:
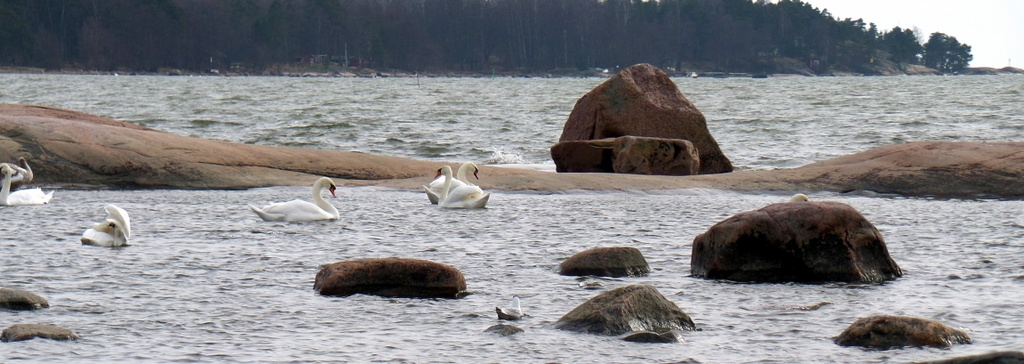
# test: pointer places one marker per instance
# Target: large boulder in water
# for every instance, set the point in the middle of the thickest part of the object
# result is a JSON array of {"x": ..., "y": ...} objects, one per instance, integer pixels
[
  {"x": 643, "y": 101},
  {"x": 999, "y": 357},
  {"x": 626, "y": 309},
  {"x": 390, "y": 277},
  {"x": 21, "y": 332},
  {"x": 16, "y": 299},
  {"x": 794, "y": 242},
  {"x": 616, "y": 261},
  {"x": 884, "y": 331}
]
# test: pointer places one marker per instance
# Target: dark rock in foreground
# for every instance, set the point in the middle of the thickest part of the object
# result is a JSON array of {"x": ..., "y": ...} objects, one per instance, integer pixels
[
  {"x": 794, "y": 242},
  {"x": 883, "y": 332},
  {"x": 390, "y": 277},
  {"x": 618, "y": 261},
  {"x": 16, "y": 299},
  {"x": 643, "y": 101},
  {"x": 21, "y": 332},
  {"x": 626, "y": 309}
]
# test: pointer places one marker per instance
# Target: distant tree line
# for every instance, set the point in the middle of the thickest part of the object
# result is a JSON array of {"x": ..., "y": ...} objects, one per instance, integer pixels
[{"x": 454, "y": 35}]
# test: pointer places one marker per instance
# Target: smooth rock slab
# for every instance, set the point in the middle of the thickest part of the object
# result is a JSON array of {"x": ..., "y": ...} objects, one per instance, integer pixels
[
  {"x": 884, "y": 331},
  {"x": 21, "y": 332},
  {"x": 390, "y": 277},
  {"x": 16, "y": 299},
  {"x": 626, "y": 309},
  {"x": 620, "y": 261}
]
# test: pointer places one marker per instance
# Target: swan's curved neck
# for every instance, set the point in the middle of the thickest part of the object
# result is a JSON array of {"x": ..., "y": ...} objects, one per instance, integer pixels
[
  {"x": 447, "y": 183},
  {"x": 6, "y": 191},
  {"x": 319, "y": 200}
]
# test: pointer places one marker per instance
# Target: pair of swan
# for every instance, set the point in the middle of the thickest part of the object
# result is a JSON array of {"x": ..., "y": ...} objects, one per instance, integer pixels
[
  {"x": 115, "y": 231},
  {"x": 464, "y": 196},
  {"x": 34, "y": 196},
  {"x": 299, "y": 210},
  {"x": 435, "y": 186}
]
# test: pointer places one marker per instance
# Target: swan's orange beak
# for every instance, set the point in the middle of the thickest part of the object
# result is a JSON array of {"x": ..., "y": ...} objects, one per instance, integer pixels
[
  {"x": 438, "y": 173},
  {"x": 475, "y": 171},
  {"x": 332, "y": 191}
]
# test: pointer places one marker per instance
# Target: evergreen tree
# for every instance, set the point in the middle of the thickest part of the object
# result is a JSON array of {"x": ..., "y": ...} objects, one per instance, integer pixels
[{"x": 945, "y": 53}]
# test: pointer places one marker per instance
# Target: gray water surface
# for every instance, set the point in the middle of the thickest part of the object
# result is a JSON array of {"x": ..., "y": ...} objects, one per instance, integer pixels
[{"x": 207, "y": 281}]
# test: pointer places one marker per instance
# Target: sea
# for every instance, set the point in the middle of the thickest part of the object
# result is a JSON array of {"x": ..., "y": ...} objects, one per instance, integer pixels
[{"x": 205, "y": 280}]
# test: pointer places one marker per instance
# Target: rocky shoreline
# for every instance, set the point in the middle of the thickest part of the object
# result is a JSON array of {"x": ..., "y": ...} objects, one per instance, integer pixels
[{"x": 69, "y": 149}]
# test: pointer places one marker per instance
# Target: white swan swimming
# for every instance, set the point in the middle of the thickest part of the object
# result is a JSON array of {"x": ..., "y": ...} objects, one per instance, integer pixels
[
  {"x": 115, "y": 231},
  {"x": 799, "y": 198},
  {"x": 299, "y": 210},
  {"x": 22, "y": 173},
  {"x": 434, "y": 188},
  {"x": 32, "y": 196},
  {"x": 513, "y": 312},
  {"x": 464, "y": 197}
]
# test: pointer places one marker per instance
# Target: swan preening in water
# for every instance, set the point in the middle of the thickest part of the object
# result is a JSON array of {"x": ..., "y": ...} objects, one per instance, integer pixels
[
  {"x": 513, "y": 312},
  {"x": 22, "y": 173},
  {"x": 465, "y": 197},
  {"x": 435, "y": 186},
  {"x": 32, "y": 196},
  {"x": 299, "y": 210},
  {"x": 799, "y": 198},
  {"x": 116, "y": 230}
]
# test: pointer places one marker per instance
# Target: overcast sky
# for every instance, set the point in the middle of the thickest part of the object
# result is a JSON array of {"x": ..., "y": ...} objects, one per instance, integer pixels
[{"x": 993, "y": 28}]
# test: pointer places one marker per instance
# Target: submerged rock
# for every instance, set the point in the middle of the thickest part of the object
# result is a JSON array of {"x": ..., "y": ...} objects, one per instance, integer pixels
[
  {"x": 999, "y": 357},
  {"x": 504, "y": 329},
  {"x": 626, "y": 309},
  {"x": 390, "y": 277},
  {"x": 16, "y": 299},
  {"x": 21, "y": 332},
  {"x": 651, "y": 337},
  {"x": 794, "y": 242},
  {"x": 884, "y": 331}
]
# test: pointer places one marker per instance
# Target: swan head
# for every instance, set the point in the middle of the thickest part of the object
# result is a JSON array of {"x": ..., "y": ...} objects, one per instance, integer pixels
[
  {"x": 332, "y": 188},
  {"x": 6, "y": 169},
  {"x": 444, "y": 170}
]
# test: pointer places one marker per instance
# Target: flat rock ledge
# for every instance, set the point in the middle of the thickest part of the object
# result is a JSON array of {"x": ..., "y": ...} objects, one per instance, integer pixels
[
  {"x": 885, "y": 331},
  {"x": 16, "y": 299},
  {"x": 390, "y": 277},
  {"x": 22, "y": 332},
  {"x": 616, "y": 261},
  {"x": 77, "y": 150}
]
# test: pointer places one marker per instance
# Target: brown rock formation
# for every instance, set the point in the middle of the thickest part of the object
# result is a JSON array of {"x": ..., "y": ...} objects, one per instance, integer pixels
[
  {"x": 643, "y": 101},
  {"x": 619, "y": 261},
  {"x": 21, "y": 332},
  {"x": 671, "y": 157},
  {"x": 16, "y": 299},
  {"x": 390, "y": 277},
  {"x": 794, "y": 242},
  {"x": 79, "y": 150},
  {"x": 884, "y": 331},
  {"x": 626, "y": 309}
]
